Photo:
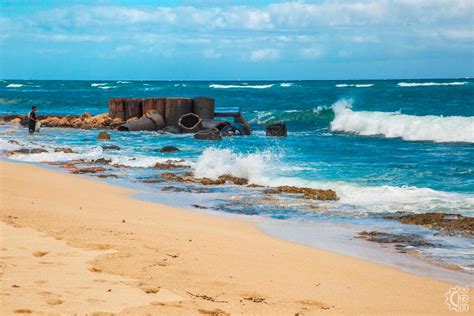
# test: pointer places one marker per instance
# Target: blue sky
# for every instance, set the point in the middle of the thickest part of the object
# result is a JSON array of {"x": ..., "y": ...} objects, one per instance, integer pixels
[{"x": 210, "y": 40}]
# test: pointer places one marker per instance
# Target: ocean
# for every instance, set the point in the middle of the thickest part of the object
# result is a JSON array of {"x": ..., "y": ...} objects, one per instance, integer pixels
[{"x": 384, "y": 146}]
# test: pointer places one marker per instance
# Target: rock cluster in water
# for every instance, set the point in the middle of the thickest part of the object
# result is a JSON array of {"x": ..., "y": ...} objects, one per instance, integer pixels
[
  {"x": 307, "y": 193},
  {"x": 449, "y": 224}
]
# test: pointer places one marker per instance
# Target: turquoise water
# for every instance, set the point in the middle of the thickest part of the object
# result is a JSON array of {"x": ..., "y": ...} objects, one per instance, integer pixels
[{"x": 383, "y": 146}]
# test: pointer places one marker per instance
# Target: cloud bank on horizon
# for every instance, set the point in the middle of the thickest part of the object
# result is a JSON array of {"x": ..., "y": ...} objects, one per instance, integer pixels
[{"x": 237, "y": 39}]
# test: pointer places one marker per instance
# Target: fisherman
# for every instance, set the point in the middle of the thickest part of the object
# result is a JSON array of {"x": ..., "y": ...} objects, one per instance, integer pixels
[{"x": 32, "y": 120}]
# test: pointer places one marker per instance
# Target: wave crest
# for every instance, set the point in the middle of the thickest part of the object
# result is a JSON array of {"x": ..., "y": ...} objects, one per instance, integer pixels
[
  {"x": 408, "y": 127},
  {"x": 244, "y": 86},
  {"x": 358, "y": 85},
  {"x": 15, "y": 85},
  {"x": 430, "y": 84}
]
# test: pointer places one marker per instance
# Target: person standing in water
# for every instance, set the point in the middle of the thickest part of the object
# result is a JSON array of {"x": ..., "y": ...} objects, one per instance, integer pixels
[{"x": 32, "y": 120}]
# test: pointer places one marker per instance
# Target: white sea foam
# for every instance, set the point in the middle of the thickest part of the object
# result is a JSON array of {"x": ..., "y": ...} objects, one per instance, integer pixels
[
  {"x": 408, "y": 127},
  {"x": 6, "y": 146},
  {"x": 15, "y": 85},
  {"x": 286, "y": 84},
  {"x": 429, "y": 84},
  {"x": 266, "y": 169},
  {"x": 98, "y": 84},
  {"x": 243, "y": 86},
  {"x": 96, "y": 152},
  {"x": 107, "y": 87},
  {"x": 141, "y": 162},
  {"x": 359, "y": 85},
  {"x": 123, "y": 82}
]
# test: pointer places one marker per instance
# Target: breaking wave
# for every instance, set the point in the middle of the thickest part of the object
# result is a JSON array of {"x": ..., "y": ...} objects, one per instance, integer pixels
[
  {"x": 243, "y": 86},
  {"x": 286, "y": 84},
  {"x": 266, "y": 168},
  {"x": 98, "y": 84},
  {"x": 408, "y": 127},
  {"x": 15, "y": 85},
  {"x": 320, "y": 114},
  {"x": 429, "y": 84},
  {"x": 358, "y": 85}
]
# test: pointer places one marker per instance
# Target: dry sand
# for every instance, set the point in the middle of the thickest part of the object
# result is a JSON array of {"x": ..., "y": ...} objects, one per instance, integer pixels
[{"x": 74, "y": 245}]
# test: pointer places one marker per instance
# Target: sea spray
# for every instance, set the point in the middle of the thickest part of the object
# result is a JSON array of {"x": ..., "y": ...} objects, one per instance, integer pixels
[
  {"x": 408, "y": 127},
  {"x": 255, "y": 167}
]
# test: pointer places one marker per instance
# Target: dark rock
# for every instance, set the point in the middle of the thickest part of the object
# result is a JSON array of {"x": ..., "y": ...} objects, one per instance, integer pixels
[
  {"x": 64, "y": 150},
  {"x": 226, "y": 178},
  {"x": 277, "y": 129},
  {"x": 208, "y": 134},
  {"x": 172, "y": 130},
  {"x": 101, "y": 160},
  {"x": 111, "y": 147},
  {"x": 401, "y": 241},
  {"x": 14, "y": 142},
  {"x": 89, "y": 170},
  {"x": 451, "y": 224},
  {"x": 168, "y": 149},
  {"x": 26, "y": 151},
  {"x": 308, "y": 193},
  {"x": 103, "y": 136},
  {"x": 107, "y": 176},
  {"x": 170, "y": 165}
]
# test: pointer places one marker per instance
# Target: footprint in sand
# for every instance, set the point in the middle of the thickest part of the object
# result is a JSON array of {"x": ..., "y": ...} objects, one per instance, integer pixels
[
  {"x": 54, "y": 301},
  {"x": 40, "y": 253},
  {"x": 22, "y": 311}
]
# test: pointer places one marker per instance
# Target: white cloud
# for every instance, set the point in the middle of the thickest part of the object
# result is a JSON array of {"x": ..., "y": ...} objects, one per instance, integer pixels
[
  {"x": 311, "y": 52},
  {"x": 266, "y": 54},
  {"x": 211, "y": 53}
]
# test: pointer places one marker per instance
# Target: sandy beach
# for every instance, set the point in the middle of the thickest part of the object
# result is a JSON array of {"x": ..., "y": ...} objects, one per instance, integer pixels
[{"x": 70, "y": 244}]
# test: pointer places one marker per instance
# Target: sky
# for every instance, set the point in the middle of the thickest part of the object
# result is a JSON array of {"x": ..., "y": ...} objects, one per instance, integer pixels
[{"x": 236, "y": 40}]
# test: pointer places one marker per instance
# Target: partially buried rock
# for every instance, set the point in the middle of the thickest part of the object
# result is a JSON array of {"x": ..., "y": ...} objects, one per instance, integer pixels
[
  {"x": 89, "y": 170},
  {"x": 208, "y": 134},
  {"x": 103, "y": 136},
  {"x": 26, "y": 151},
  {"x": 111, "y": 147},
  {"x": 64, "y": 150},
  {"x": 308, "y": 193},
  {"x": 168, "y": 149},
  {"x": 277, "y": 129}
]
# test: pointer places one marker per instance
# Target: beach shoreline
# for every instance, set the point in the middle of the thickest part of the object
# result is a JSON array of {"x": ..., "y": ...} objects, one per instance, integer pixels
[{"x": 189, "y": 263}]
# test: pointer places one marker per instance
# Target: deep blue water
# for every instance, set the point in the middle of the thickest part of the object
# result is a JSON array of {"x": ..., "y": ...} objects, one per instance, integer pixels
[{"x": 383, "y": 146}]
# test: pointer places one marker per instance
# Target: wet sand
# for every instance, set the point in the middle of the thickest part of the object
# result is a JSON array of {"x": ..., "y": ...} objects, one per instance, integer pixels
[{"x": 71, "y": 244}]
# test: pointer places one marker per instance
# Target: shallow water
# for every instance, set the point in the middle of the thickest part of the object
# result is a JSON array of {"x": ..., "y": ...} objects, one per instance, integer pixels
[{"x": 383, "y": 146}]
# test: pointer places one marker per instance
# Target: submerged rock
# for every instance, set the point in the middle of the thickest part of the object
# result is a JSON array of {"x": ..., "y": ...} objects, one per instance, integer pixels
[
  {"x": 401, "y": 241},
  {"x": 451, "y": 224},
  {"x": 308, "y": 193},
  {"x": 111, "y": 147},
  {"x": 208, "y": 134},
  {"x": 103, "y": 136},
  {"x": 170, "y": 164},
  {"x": 168, "y": 149}
]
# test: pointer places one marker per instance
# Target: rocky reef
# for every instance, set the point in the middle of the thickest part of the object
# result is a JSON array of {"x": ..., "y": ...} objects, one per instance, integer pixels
[
  {"x": 307, "y": 193},
  {"x": 84, "y": 121}
]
